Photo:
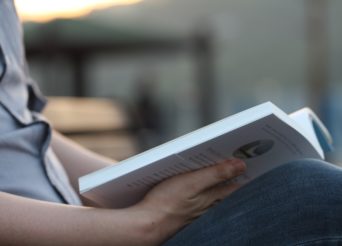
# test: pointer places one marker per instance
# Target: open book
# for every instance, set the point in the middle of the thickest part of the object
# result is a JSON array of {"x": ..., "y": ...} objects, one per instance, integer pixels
[{"x": 263, "y": 136}]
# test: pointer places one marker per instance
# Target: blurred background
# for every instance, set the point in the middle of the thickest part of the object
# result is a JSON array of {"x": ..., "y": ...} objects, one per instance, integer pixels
[{"x": 148, "y": 71}]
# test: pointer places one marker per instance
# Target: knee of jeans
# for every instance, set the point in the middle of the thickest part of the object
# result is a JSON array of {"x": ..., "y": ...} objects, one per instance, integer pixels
[
  {"x": 307, "y": 173},
  {"x": 307, "y": 167}
]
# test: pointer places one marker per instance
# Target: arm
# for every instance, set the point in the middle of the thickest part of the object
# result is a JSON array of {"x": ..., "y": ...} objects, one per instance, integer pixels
[
  {"x": 77, "y": 160},
  {"x": 32, "y": 222},
  {"x": 165, "y": 210}
]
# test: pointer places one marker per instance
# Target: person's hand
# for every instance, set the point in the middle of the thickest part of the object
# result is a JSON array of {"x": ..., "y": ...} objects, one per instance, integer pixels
[{"x": 179, "y": 200}]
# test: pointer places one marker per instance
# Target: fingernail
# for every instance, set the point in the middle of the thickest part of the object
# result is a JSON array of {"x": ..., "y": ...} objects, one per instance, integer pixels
[{"x": 239, "y": 165}]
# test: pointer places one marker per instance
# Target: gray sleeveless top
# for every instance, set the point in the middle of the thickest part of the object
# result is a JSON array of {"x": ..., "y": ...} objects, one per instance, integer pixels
[{"x": 28, "y": 166}]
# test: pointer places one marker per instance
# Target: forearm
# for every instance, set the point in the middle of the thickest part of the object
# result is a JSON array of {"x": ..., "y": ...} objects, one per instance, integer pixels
[
  {"x": 76, "y": 160},
  {"x": 165, "y": 209},
  {"x": 31, "y": 222}
]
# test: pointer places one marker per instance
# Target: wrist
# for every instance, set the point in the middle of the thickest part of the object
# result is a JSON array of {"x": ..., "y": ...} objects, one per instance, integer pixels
[{"x": 156, "y": 226}]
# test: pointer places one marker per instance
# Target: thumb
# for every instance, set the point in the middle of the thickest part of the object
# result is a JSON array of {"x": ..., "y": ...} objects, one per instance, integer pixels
[{"x": 200, "y": 180}]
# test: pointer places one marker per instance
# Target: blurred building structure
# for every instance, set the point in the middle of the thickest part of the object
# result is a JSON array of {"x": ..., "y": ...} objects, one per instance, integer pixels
[{"x": 212, "y": 58}]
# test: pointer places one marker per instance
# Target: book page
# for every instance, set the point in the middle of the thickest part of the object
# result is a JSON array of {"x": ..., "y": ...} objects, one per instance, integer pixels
[
  {"x": 310, "y": 123},
  {"x": 263, "y": 145},
  {"x": 132, "y": 187}
]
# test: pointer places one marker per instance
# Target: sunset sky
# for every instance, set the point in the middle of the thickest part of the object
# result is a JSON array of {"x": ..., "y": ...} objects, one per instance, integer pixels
[{"x": 45, "y": 10}]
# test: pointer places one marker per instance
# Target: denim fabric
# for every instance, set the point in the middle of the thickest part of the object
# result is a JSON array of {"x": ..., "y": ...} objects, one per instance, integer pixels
[
  {"x": 299, "y": 203},
  {"x": 2, "y": 64}
]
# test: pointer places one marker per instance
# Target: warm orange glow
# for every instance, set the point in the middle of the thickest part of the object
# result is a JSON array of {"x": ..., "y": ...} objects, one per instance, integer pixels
[{"x": 45, "y": 10}]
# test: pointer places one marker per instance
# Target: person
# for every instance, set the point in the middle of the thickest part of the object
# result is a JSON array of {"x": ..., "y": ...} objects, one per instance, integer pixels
[{"x": 298, "y": 203}]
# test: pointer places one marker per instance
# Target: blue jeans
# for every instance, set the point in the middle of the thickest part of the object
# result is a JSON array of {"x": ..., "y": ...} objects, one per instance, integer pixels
[{"x": 299, "y": 203}]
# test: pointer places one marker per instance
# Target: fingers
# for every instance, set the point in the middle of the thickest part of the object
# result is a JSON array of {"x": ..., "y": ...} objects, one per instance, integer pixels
[
  {"x": 212, "y": 196},
  {"x": 200, "y": 180},
  {"x": 187, "y": 196},
  {"x": 218, "y": 193}
]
